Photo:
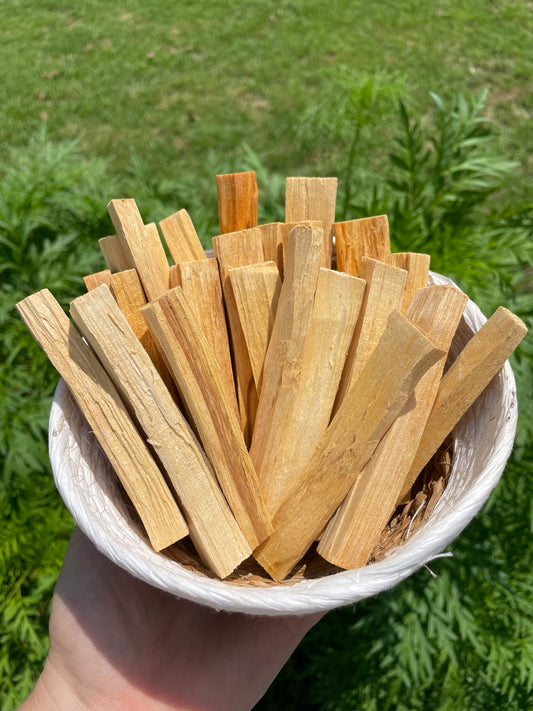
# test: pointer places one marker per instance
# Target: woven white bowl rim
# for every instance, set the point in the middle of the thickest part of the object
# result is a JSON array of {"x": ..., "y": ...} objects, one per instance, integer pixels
[{"x": 483, "y": 441}]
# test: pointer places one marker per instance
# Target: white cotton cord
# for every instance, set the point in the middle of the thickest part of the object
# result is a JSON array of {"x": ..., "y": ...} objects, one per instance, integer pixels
[{"x": 483, "y": 441}]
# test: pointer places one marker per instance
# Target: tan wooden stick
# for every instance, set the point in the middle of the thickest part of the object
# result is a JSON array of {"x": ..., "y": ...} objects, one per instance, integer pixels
[
  {"x": 383, "y": 294},
  {"x": 181, "y": 238},
  {"x": 200, "y": 281},
  {"x": 468, "y": 376},
  {"x": 237, "y": 201},
  {"x": 174, "y": 278},
  {"x": 116, "y": 257},
  {"x": 107, "y": 416},
  {"x": 256, "y": 289},
  {"x": 98, "y": 278},
  {"x": 381, "y": 393},
  {"x": 313, "y": 199},
  {"x": 129, "y": 295},
  {"x": 272, "y": 238},
  {"x": 355, "y": 239},
  {"x": 237, "y": 249},
  {"x": 283, "y": 361},
  {"x": 417, "y": 267},
  {"x": 194, "y": 367},
  {"x": 336, "y": 306},
  {"x": 213, "y": 529},
  {"x": 142, "y": 245},
  {"x": 357, "y": 525}
]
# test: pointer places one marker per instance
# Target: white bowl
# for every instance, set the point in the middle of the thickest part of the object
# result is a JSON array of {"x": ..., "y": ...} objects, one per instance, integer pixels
[{"x": 483, "y": 441}]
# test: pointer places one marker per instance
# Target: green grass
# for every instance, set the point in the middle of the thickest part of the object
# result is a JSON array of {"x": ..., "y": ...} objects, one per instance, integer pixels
[{"x": 171, "y": 81}]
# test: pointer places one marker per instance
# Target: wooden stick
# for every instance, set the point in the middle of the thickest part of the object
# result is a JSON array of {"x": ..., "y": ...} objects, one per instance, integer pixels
[
  {"x": 212, "y": 527},
  {"x": 417, "y": 267},
  {"x": 467, "y": 377},
  {"x": 98, "y": 278},
  {"x": 181, "y": 238},
  {"x": 237, "y": 249},
  {"x": 237, "y": 201},
  {"x": 174, "y": 278},
  {"x": 256, "y": 289},
  {"x": 116, "y": 257},
  {"x": 142, "y": 245},
  {"x": 284, "y": 359},
  {"x": 358, "y": 523},
  {"x": 355, "y": 239},
  {"x": 313, "y": 199},
  {"x": 194, "y": 367},
  {"x": 287, "y": 228},
  {"x": 272, "y": 238},
  {"x": 107, "y": 416},
  {"x": 129, "y": 295},
  {"x": 336, "y": 306},
  {"x": 200, "y": 281},
  {"x": 383, "y": 294},
  {"x": 381, "y": 393}
]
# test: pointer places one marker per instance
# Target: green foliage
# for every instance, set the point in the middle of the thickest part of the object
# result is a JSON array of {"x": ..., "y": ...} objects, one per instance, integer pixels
[
  {"x": 442, "y": 196},
  {"x": 51, "y": 209},
  {"x": 460, "y": 641}
]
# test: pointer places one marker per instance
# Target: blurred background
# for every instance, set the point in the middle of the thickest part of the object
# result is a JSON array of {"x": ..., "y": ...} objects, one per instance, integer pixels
[{"x": 424, "y": 111}]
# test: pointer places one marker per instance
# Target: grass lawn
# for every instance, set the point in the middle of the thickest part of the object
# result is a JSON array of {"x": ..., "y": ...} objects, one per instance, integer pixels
[{"x": 175, "y": 82}]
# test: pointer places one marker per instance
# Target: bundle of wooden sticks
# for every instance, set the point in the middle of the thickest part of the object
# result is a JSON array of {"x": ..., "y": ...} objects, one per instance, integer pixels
[{"x": 262, "y": 402}]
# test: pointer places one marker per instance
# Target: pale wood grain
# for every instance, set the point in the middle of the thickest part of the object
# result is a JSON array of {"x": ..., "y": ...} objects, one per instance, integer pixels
[
  {"x": 467, "y": 377},
  {"x": 116, "y": 257},
  {"x": 384, "y": 291},
  {"x": 192, "y": 362},
  {"x": 142, "y": 245},
  {"x": 98, "y": 278},
  {"x": 237, "y": 249},
  {"x": 256, "y": 289},
  {"x": 237, "y": 201},
  {"x": 272, "y": 238},
  {"x": 200, "y": 281},
  {"x": 417, "y": 267},
  {"x": 212, "y": 527},
  {"x": 382, "y": 391},
  {"x": 181, "y": 238},
  {"x": 358, "y": 523},
  {"x": 284, "y": 359},
  {"x": 107, "y": 416},
  {"x": 313, "y": 199},
  {"x": 355, "y": 239}
]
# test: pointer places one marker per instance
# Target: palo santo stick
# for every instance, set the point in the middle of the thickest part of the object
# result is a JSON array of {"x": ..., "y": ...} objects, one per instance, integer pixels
[
  {"x": 237, "y": 249},
  {"x": 336, "y": 306},
  {"x": 272, "y": 238},
  {"x": 213, "y": 529},
  {"x": 355, "y": 239},
  {"x": 174, "y": 278},
  {"x": 194, "y": 367},
  {"x": 237, "y": 201},
  {"x": 200, "y": 281},
  {"x": 417, "y": 267},
  {"x": 98, "y": 278},
  {"x": 384, "y": 293},
  {"x": 284, "y": 359},
  {"x": 142, "y": 245},
  {"x": 313, "y": 199},
  {"x": 116, "y": 257},
  {"x": 381, "y": 393},
  {"x": 256, "y": 289},
  {"x": 476, "y": 365},
  {"x": 129, "y": 295},
  {"x": 357, "y": 525},
  {"x": 181, "y": 238},
  {"x": 107, "y": 416}
]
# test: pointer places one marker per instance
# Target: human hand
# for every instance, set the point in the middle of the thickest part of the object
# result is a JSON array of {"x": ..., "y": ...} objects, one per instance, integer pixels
[{"x": 118, "y": 644}]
